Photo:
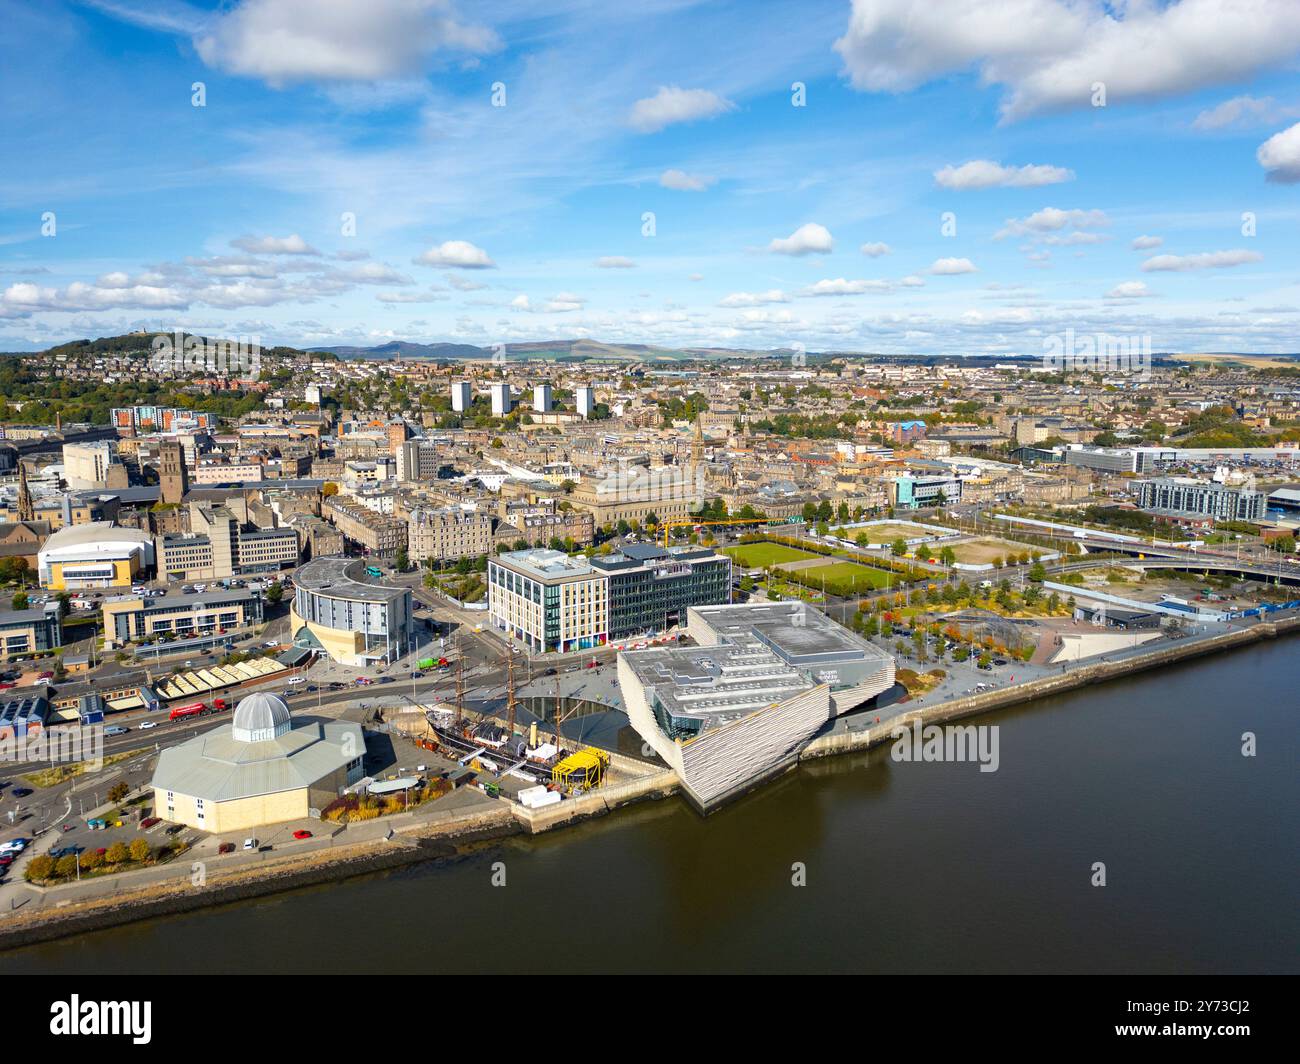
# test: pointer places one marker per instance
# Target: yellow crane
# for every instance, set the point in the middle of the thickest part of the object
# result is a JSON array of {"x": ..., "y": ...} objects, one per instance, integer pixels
[{"x": 690, "y": 522}]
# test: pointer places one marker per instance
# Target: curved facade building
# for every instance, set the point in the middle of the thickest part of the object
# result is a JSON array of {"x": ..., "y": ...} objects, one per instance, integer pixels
[{"x": 353, "y": 618}]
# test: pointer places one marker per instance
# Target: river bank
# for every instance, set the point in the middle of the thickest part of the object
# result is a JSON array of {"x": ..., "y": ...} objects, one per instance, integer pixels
[{"x": 454, "y": 836}]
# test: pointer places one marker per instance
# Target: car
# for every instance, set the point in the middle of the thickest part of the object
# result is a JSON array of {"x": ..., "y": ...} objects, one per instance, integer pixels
[
  {"x": 417, "y": 676},
  {"x": 21, "y": 792},
  {"x": 387, "y": 679},
  {"x": 116, "y": 729},
  {"x": 66, "y": 851},
  {"x": 149, "y": 822},
  {"x": 66, "y": 827},
  {"x": 295, "y": 681},
  {"x": 226, "y": 847},
  {"x": 175, "y": 829},
  {"x": 302, "y": 833},
  {"x": 312, "y": 687},
  {"x": 6, "y": 859},
  {"x": 999, "y": 661},
  {"x": 147, "y": 724},
  {"x": 250, "y": 844},
  {"x": 335, "y": 685}
]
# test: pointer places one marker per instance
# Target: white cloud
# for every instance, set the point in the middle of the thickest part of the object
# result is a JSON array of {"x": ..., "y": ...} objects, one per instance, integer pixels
[
  {"x": 681, "y": 181},
  {"x": 615, "y": 262},
  {"x": 983, "y": 173},
  {"x": 274, "y": 245},
  {"x": 1205, "y": 260},
  {"x": 875, "y": 250},
  {"x": 428, "y": 296},
  {"x": 376, "y": 273},
  {"x": 841, "y": 287},
  {"x": 1280, "y": 156},
  {"x": 1049, "y": 220},
  {"x": 753, "y": 299},
  {"x": 460, "y": 254},
  {"x": 463, "y": 284},
  {"x": 1242, "y": 111},
  {"x": 1129, "y": 290},
  {"x": 285, "y": 41},
  {"x": 671, "y": 105},
  {"x": 1146, "y": 243},
  {"x": 1048, "y": 54},
  {"x": 808, "y": 239},
  {"x": 952, "y": 267}
]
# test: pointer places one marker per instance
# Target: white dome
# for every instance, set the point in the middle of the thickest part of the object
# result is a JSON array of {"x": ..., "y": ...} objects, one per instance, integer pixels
[{"x": 258, "y": 717}]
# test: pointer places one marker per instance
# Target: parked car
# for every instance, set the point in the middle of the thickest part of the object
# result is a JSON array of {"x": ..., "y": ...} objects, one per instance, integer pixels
[
  {"x": 302, "y": 833},
  {"x": 149, "y": 822},
  {"x": 250, "y": 844},
  {"x": 226, "y": 847},
  {"x": 21, "y": 792}
]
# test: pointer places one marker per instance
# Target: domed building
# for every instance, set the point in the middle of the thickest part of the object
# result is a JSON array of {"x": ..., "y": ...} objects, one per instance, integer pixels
[{"x": 259, "y": 769}]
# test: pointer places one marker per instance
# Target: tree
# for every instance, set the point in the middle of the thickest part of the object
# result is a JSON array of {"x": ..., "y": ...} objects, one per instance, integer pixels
[
  {"x": 274, "y": 594},
  {"x": 139, "y": 849},
  {"x": 948, "y": 556},
  {"x": 19, "y": 601},
  {"x": 899, "y": 547},
  {"x": 329, "y": 488},
  {"x": 40, "y": 868},
  {"x": 119, "y": 791},
  {"x": 117, "y": 853},
  {"x": 652, "y": 519},
  {"x": 402, "y": 561},
  {"x": 66, "y": 866},
  {"x": 1037, "y": 573}
]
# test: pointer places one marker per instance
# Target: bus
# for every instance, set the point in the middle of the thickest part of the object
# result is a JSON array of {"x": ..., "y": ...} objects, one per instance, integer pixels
[{"x": 374, "y": 572}]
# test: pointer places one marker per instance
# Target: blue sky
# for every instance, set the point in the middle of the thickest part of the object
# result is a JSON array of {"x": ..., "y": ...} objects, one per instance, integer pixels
[{"x": 773, "y": 224}]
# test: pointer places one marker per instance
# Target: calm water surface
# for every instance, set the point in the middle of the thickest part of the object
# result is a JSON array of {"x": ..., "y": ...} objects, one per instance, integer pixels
[{"x": 909, "y": 867}]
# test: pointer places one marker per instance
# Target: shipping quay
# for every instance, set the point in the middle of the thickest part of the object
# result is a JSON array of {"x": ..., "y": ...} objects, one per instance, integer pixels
[{"x": 410, "y": 838}]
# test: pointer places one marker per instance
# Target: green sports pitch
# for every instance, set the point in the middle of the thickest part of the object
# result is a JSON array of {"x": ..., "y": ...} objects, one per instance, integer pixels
[{"x": 762, "y": 555}]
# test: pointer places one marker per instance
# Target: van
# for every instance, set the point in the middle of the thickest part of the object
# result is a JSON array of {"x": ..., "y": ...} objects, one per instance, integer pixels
[
  {"x": 295, "y": 680},
  {"x": 116, "y": 729}
]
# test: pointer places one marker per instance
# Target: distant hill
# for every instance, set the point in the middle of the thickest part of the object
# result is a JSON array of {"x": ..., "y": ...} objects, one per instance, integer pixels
[
  {"x": 556, "y": 350},
  {"x": 396, "y": 349}
]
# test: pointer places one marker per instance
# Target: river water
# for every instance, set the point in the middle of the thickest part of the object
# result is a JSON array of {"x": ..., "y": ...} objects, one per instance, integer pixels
[{"x": 909, "y": 867}]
